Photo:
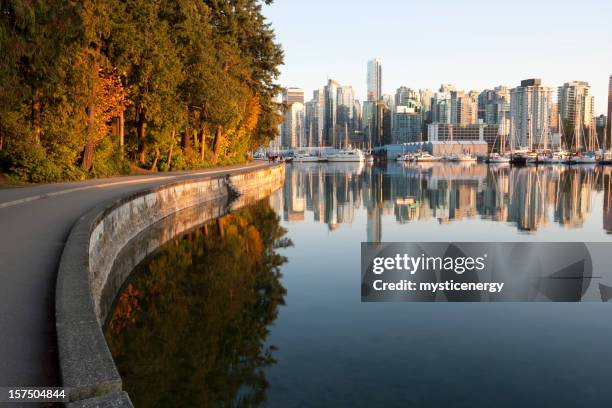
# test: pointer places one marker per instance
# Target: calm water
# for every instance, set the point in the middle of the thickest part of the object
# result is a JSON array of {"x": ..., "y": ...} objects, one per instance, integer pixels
[{"x": 262, "y": 306}]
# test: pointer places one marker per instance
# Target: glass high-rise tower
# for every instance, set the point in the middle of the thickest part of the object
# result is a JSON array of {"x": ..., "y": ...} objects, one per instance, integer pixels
[{"x": 374, "y": 80}]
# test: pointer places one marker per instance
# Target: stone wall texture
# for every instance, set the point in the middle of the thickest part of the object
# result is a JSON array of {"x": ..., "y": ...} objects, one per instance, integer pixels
[{"x": 108, "y": 242}]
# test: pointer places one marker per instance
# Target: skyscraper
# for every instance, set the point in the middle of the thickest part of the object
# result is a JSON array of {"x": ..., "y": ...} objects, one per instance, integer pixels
[
  {"x": 609, "y": 124},
  {"x": 530, "y": 105},
  {"x": 374, "y": 79},
  {"x": 575, "y": 106},
  {"x": 346, "y": 102},
  {"x": 293, "y": 126},
  {"x": 291, "y": 95},
  {"x": 331, "y": 112},
  {"x": 441, "y": 107}
]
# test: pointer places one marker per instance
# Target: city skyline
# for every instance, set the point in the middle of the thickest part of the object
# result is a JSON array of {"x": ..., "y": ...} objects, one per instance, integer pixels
[{"x": 417, "y": 51}]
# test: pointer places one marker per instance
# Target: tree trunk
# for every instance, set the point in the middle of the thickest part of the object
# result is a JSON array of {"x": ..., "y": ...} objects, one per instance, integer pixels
[
  {"x": 169, "y": 165},
  {"x": 1, "y": 141},
  {"x": 90, "y": 145},
  {"x": 35, "y": 118},
  {"x": 217, "y": 142},
  {"x": 187, "y": 142},
  {"x": 154, "y": 165},
  {"x": 121, "y": 132},
  {"x": 141, "y": 129},
  {"x": 202, "y": 142}
]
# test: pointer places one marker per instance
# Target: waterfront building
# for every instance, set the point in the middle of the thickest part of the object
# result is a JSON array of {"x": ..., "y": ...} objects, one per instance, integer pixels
[
  {"x": 291, "y": 95},
  {"x": 554, "y": 116},
  {"x": 441, "y": 107},
  {"x": 404, "y": 96},
  {"x": 464, "y": 107},
  {"x": 376, "y": 123},
  {"x": 494, "y": 105},
  {"x": 331, "y": 104},
  {"x": 368, "y": 122},
  {"x": 530, "y": 105},
  {"x": 374, "y": 80},
  {"x": 314, "y": 118},
  {"x": 575, "y": 105},
  {"x": 345, "y": 107},
  {"x": 406, "y": 125},
  {"x": 600, "y": 130},
  {"x": 443, "y": 132},
  {"x": 357, "y": 115},
  {"x": 425, "y": 97},
  {"x": 292, "y": 129},
  {"x": 609, "y": 123}
]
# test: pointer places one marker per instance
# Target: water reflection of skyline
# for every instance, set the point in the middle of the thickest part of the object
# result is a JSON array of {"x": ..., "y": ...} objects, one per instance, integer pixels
[{"x": 527, "y": 197}]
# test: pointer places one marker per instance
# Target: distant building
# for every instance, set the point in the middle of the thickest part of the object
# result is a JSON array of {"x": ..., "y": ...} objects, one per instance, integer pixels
[
  {"x": 291, "y": 95},
  {"x": 464, "y": 107},
  {"x": 357, "y": 115},
  {"x": 554, "y": 116},
  {"x": 374, "y": 80},
  {"x": 441, "y": 107},
  {"x": 345, "y": 107},
  {"x": 376, "y": 123},
  {"x": 292, "y": 130},
  {"x": 441, "y": 132},
  {"x": 314, "y": 118},
  {"x": 425, "y": 97},
  {"x": 575, "y": 104},
  {"x": 600, "y": 129},
  {"x": 330, "y": 131},
  {"x": 405, "y": 96},
  {"x": 530, "y": 105},
  {"x": 609, "y": 123},
  {"x": 494, "y": 105},
  {"x": 406, "y": 125}
]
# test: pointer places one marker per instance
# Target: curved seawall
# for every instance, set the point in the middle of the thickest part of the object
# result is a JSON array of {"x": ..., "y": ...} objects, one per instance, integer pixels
[{"x": 102, "y": 249}]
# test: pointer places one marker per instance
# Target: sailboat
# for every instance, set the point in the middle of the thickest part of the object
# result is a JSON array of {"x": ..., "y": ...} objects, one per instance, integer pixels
[
  {"x": 303, "y": 157},
  {"x": 346, "y": 154},
  {"x": 497, "y": 157}
]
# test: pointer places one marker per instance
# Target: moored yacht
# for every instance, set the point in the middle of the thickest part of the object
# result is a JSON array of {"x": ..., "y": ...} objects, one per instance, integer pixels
[
  {"x": 464, "y": 157},
  {"x": 346, "y": 155},
  {"x": 497, "y": 158},
  {"x": 425, "y": 157},
  {"x": 305, "y": 157}
]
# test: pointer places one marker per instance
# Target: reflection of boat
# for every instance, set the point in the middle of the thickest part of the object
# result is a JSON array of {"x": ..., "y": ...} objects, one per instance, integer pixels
[{"x": 342, "y": 155}]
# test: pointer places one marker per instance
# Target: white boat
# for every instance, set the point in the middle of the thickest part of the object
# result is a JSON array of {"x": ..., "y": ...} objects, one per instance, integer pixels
[
  {"x": 426, "y": 157},
  {"x": 462, "y": 157},
  {"x": 497, "y": 158},
  {"x": 342, "y": 155},
  {"x": 305, "y": 157},
  {"x": 584, "y": 159},
  {"x": 404, "y": 157}
]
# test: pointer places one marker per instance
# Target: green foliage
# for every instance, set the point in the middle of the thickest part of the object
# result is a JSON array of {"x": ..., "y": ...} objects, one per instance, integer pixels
[
  {"x": 29, "y": 163},
  {"x": 207, "y": 66}
]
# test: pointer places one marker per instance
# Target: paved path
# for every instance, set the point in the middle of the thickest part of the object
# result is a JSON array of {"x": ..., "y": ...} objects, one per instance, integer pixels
[{"x": 34, "y": 224}]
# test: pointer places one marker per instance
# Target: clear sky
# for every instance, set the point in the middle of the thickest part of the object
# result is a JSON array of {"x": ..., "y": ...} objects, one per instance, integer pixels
[{"x": 474, "y": 44}]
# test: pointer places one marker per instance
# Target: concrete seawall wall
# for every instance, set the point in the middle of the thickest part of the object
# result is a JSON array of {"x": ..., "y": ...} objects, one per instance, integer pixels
[{"x": 103, "y": 247}]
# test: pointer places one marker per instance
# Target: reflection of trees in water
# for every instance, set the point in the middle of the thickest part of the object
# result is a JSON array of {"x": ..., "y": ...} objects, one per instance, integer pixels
[{"x": 190, "y": 327}]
